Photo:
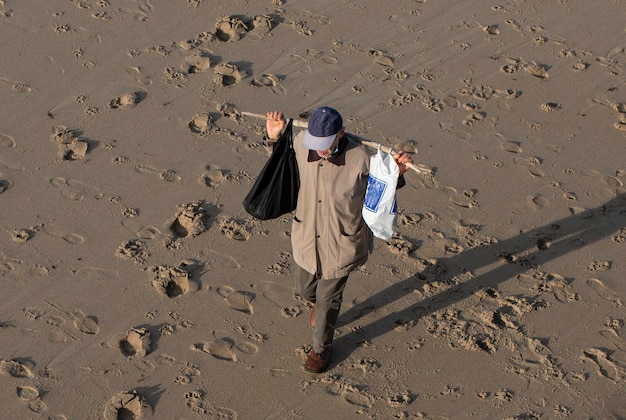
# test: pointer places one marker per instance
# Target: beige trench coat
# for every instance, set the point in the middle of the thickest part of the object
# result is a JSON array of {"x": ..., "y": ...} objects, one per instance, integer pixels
[{"x": 329, "y": 236}]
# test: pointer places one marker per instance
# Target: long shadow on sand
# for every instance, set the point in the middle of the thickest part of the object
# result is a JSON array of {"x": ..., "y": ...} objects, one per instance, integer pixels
[{"x": 537, "y": 246}]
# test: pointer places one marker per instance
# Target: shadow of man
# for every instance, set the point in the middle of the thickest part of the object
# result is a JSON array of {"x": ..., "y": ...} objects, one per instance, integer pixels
[{"x": 536, "y": 247}]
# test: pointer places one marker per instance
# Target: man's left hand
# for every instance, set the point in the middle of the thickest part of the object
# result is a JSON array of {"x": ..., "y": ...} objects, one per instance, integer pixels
[{"x": 403, "y": 159}]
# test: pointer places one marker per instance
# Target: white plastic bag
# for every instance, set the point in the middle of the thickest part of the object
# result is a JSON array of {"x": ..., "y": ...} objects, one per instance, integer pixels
[{"x": 379, "y": 208}]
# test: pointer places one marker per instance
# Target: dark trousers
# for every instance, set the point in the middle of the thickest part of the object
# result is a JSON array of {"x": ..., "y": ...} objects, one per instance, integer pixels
[{"x": 327, "y": 296}]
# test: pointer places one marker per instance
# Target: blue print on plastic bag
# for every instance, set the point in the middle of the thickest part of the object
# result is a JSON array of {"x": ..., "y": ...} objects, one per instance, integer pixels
[
  {"x": 374, "y": 193},
  {"x": 394, "y": 208}
]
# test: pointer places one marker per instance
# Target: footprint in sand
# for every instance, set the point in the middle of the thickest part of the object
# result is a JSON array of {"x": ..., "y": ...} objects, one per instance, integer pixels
[
  {"x": 604, "y": 292},
  {"x": 399, "y": 246},
  {"x": 137, "y": 15},
  {"x": 21, "y": 235},
  {"x": 125, "y": 101},
  {"x": 538, "y": 202},
  {"x": 267, "y": 79},
  {"x": 6, "y": 141},
  {"x": 281, "y": 296},
  {"x": 74, "y": 151},
  {"x": 270, "y": 80},
  {"x": 612, "y": 181},
  {"x": 605, "y": 366},
  {"x": 551, "y": 106},
  {"x": 378, "y": 56},
  {"x": 620, "y": 126},
  {"x": 290, "y": 311},
  {"x": 612, "y": 335},
  {"x": 400, "y": 399},
  {"x": 187, "y": 371},
  {"x": 239, "y": 301},
  {"x": 134, "y": 250},
  {"x": 260, "y": 26},
  {"x": 33, "y": 313},
  {"x": 87, "y": 324},
  {"x": 581, "y": 213},
  {"x": 228, "y": 74},
  {"x": 190, "y": 220},
  {"x": 32, "y": 396},
  {"x": 136, "y": 343},
  {"x": 55, "y": 231},
  {"x": 233, "y": 28},
  {"x": 27, "y": 393},
  {"x": 168, "y": 175},
  {"x": 531, "y": 164},
  {"x": 5, "y": 185},
  {"x": 141, "y": 12},
  {"x": 212, "y": 178},
  {"x": 367, "y": 364},
  {"x": 198, "y": 402},
  {"x": 600, "y": 266},
  {"x": 403, "y": 325},
  {"x": 279, "y": 268},
  {"x": 71, "y": 146},
  {"x": 561, "y": 289},
  {"x": 408, "y": 146},
  {"x": 247, "y": 348},
  {"x": 15, "y": 369},
  {"x": 537, "y": 70},
  {"x": 463, "y": 198},
  {"x": 580, "y": 65},
  {"x": 197, "y": 63},
  {"x": 221, "y": 349},
  {"x": 201, "y": 124},
  {"x": 140, "y": 78},
  {"x": 511, "y": 146},
  {"x": 143, "y": 232},
  {"x": 19, "y": 87},
  {"x": 234, "y": 229},
  {"x": 450, "y": 128},
  {"x": 409, "y": 219},
  {"x": 74, "y": 189},
  {"x": 473, "y": 118},
  {"x": 125, "y": 405},
  {"x": 350, "y": 393},
  {"x": 171, "y": 281}
]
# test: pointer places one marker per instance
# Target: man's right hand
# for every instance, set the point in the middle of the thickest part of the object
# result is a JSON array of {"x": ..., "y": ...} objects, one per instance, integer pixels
[{"x": 275, "y": 124}]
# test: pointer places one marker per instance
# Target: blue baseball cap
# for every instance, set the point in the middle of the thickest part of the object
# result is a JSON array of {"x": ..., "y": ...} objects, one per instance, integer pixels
[{"x": 324, "y": 125}]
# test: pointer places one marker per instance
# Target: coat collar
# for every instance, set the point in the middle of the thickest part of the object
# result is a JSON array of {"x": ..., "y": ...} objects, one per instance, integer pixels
[{"x": 338, "y": 158}]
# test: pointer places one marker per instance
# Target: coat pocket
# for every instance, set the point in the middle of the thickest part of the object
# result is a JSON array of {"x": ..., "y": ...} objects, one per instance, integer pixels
[
  {"x": 297, "y": 228},
  {"x": 353, "y": 247}
]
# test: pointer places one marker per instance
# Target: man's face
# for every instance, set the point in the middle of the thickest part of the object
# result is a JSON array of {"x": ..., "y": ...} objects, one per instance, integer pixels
[{"x": 326, "y": 153}]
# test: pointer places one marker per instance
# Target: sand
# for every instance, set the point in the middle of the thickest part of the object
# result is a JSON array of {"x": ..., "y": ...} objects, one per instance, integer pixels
[{"x": 134, "y": 285}]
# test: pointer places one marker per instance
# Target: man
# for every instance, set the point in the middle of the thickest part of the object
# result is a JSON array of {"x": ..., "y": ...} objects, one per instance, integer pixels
[{"x": 328, "y": 236}]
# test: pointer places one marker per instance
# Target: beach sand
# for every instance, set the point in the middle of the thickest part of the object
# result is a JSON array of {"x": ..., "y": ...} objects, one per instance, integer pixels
[{"x": 133, "y": 284}]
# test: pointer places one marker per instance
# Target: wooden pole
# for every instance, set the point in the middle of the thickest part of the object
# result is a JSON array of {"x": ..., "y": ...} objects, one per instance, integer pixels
[{"x": 419, "y": 168}]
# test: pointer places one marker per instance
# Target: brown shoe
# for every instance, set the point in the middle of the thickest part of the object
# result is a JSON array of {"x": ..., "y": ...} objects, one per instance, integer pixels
[
  {"x": 312, "y": 317},
  {"x": 316, "y": 363}
]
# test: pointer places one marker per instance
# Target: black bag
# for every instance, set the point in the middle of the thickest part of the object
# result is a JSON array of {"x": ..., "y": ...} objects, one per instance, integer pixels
[{"x": 275, "y": 191}]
